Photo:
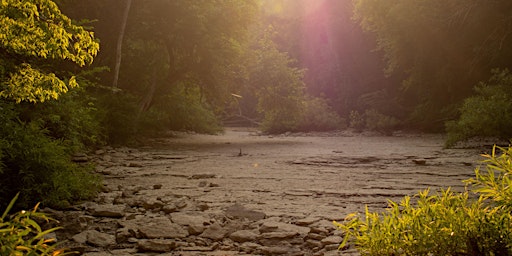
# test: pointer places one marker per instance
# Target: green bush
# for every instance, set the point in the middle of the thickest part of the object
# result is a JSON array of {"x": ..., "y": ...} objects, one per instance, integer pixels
[
  {"x": 120, "y": 118},
  {"x": 446, "y": 223},
  {"x": 282, "y": 108},
  {"x": 318, "y": 116},
  {"x": 20, "y": 234},
  {"x": 185, "y": 110},
  {"x": 487, "y": 114},
  {"x": 73, "y": 119},
  {"x": 39, "y": 166},
  {"x": 356, "y": 121},
  {"x": 376, "y": 121}
]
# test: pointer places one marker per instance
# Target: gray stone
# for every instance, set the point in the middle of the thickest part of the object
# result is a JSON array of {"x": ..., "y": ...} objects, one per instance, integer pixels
[
  {"x": 194, "y": 221},
  {"x": 152, "y": 204},
  {"x": 331, "y": 247},
  {"x": 80, "y": 238},
  {"x": 181, "y": 204},
  {"x": 307, "y": 221},
  {"x": 239, "y": 211},
  {"x": 278, "y": 235},
  {"x": 99, "y": 239},
  {"x": 214, "y": 232},
  {"x": 243, "y": 236},
  {"x": 319, "y": 230},
  {"x": 314, "y": 243},
  {"x": 107, "y": 210},
  {"x": 156, "y": 245},
  {"x": 80, "y": 158},
  {"x": 187, "y": 218},
  {"x": 332, "y": 240},
  {"x": 275, "y": 250},
  {"x": 324, "y": 224},
  {"x": 169, "y": 208},
  {"x": 273, "y": 226},
  {"x": 124, "y": 234},
  {"x": 95, "y": 238},
  {"x": 250, "y": 247},
  {"x": 162, "y": 227},
  {"x": 316, "y": 236}
]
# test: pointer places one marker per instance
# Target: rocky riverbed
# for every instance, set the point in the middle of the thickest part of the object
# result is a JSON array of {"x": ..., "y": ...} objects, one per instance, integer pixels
[{"x": 242, "y": 193}]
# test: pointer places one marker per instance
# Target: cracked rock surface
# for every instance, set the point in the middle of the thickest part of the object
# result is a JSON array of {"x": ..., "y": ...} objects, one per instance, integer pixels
[{"x": 242, "y": 193}]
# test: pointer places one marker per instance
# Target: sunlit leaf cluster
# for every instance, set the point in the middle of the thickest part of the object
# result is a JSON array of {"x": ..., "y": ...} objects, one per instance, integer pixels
[
  {"x": 20, "y": 233},
  {"x": 37, "y": 28},
  {"x": 28, "y": 84},
  {"x": 31, "y": 31}
]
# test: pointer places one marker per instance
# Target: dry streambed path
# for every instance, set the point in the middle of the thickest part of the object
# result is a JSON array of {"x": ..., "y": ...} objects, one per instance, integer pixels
[{"x": 241, "y": 193}]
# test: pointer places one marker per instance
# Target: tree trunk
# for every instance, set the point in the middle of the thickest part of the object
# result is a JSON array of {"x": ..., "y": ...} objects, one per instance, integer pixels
[
  {"x": 148, "y": 98},
  {"x": 120, "y": 43}
]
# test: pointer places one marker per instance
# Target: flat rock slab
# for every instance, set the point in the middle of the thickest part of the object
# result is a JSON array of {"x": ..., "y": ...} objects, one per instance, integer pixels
[{"x": 239, "y": 211}]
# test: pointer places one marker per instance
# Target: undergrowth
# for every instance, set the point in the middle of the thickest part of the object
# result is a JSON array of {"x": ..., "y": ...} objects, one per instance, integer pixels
[
  {"x": 20, "y": 233},
  {"x": 443, "y": 223}
]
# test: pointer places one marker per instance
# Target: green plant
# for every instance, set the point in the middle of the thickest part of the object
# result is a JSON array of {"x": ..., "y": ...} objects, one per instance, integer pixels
[
  {"x": 73, "y": 119},
  {"x": 319, "y": 116},
  {"x": 445, "y": 223},
  {"x": 487, "y": 114},
  {"x": 495, "y": 183},
  {"x": 20, "y": 234},
  {"x": 39, "y": 166},
  {"x": 376, "y": 121},
  {"x": 356, "y": 120},
  {"x": 186, "y": 110}
]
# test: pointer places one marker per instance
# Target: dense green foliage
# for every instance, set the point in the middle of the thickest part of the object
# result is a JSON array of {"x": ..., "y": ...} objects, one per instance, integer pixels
[
  {"x": 20, "y": 234},
  {"x": 189, "y": 112},
  {"x": 373, "y": 120},
  {"x": 38, "y": 165},
  {"x": 35, "y": 30},
  {"x": 445, "y": 223},
  {"x": 318, "y": 115},
  {"x": 440, "y": 48},
  {"x": 38, "y": 138},
  {"x": 488, "y": 113}
]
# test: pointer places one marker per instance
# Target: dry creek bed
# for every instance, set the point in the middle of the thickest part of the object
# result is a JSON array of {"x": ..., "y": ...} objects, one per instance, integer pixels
[{"x": 242, "y": 193}]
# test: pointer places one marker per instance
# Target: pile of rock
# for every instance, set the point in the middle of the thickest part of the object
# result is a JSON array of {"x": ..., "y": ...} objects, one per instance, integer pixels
[
  {"x": 146, "y": 226},
  {"x": 127, "y": 220}
]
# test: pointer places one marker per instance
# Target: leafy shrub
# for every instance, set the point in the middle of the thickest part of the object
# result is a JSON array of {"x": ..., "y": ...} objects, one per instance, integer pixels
[
  {"x": 487, "y": 114},
  {"x": 120, "y": 119},
  {"x": 125, "y": 123},
  {"x": 282, "y": 106},
  {"x": 495, "y": 182},
  {"x": 376, "y": 121},
  {"x": 21, "y": 235},
  {"x": 39, "y": 166},
  {"x": 185, "y": 110},
  {"x": 318, "y": 116},
  {"x": 74, "y": 119},
  {"x": 446, "y": 223},
  {"x": 356, "y": 121}
]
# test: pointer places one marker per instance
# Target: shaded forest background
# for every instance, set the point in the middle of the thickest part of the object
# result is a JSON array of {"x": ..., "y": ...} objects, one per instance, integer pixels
[{"x": 283, "y": 65}]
